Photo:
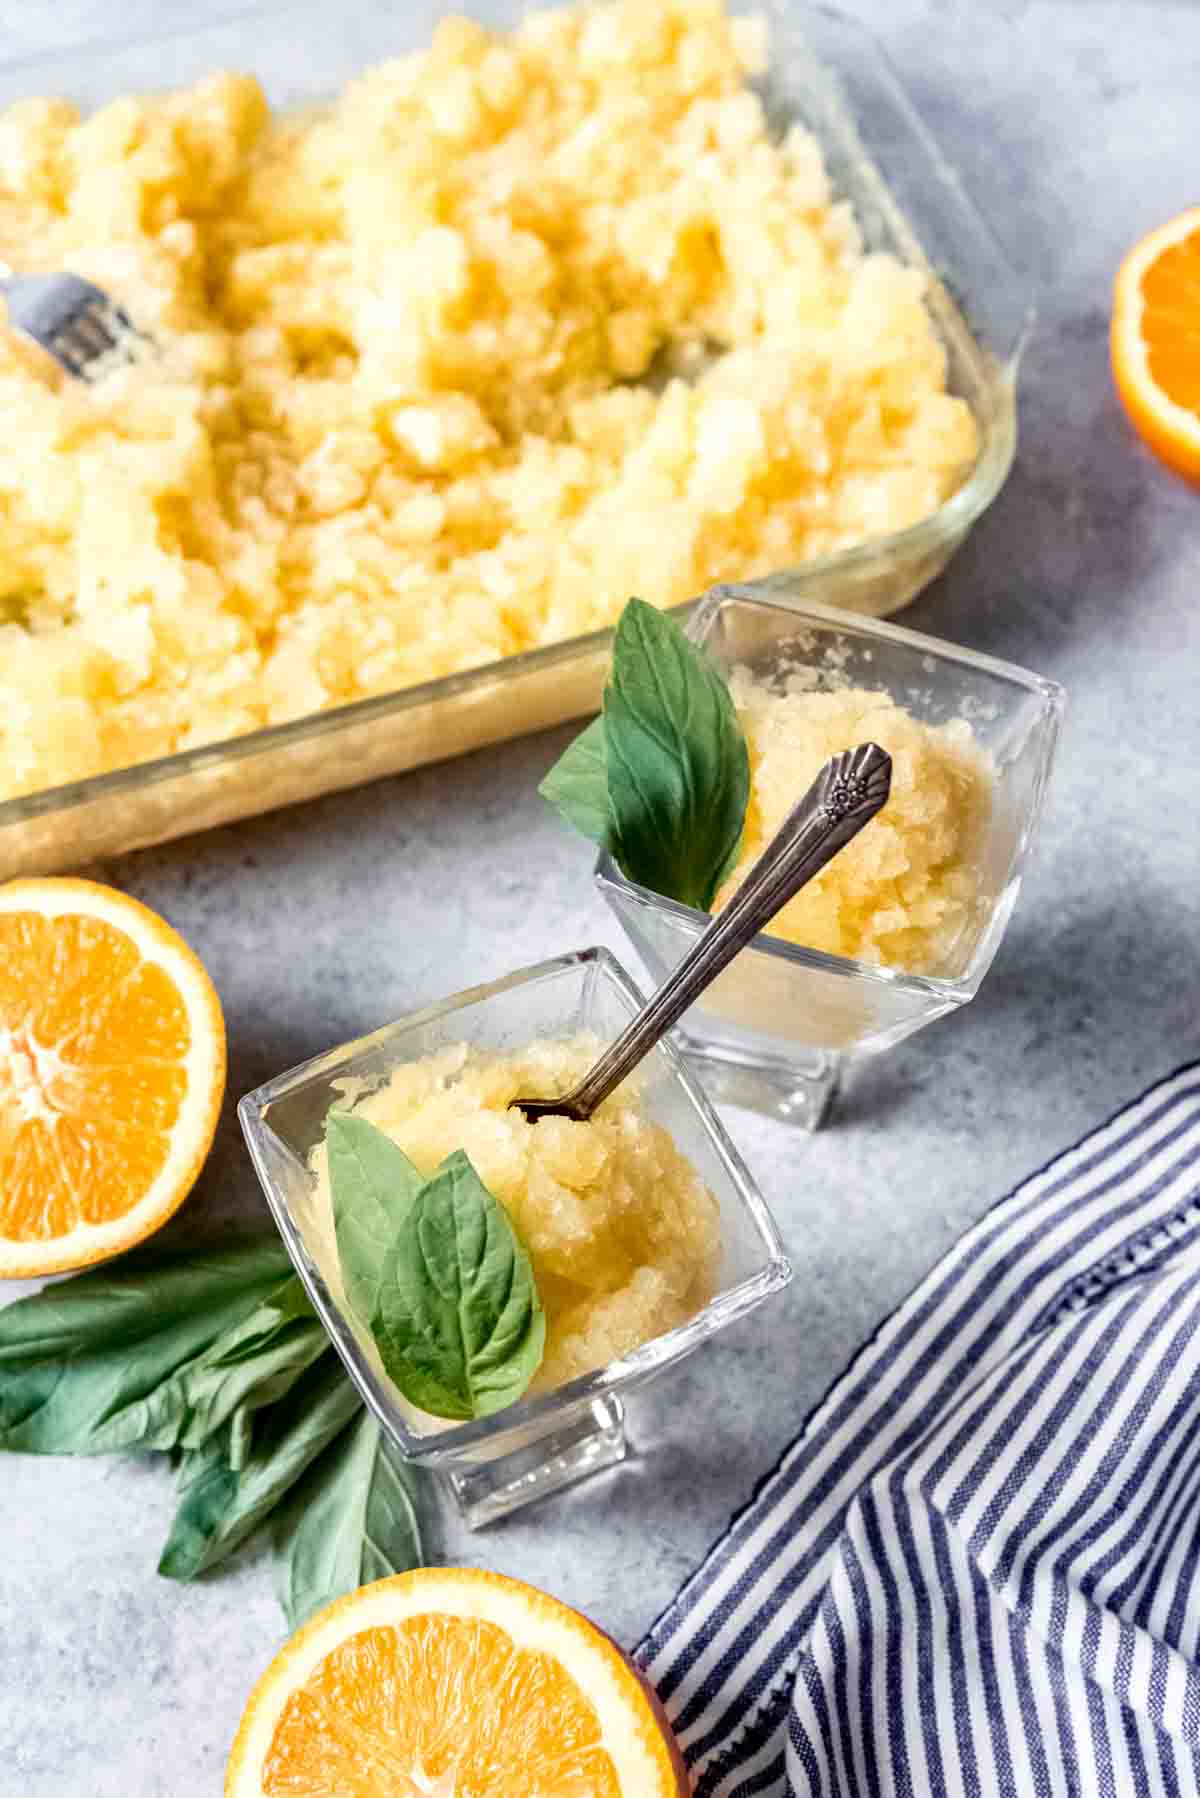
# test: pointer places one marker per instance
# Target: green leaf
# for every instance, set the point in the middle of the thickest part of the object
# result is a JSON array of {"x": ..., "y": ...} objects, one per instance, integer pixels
[
  {"x": 207, "y": 1492},
  {"x": 251, "y": 1365},
  {"x": 219, "y": 1504},
  {"x": 350, "y": 1520},
  {"x": 577, "y": 786},
  {"x": 459, "y": 1325},
  {"x": 128, "y": 1298},
  {"x": 373, "y": 1185},
  {"x": 678, "y": 768},
  {"x": 91, "y": 1364},
  {"x": 241, "y": 1436}
]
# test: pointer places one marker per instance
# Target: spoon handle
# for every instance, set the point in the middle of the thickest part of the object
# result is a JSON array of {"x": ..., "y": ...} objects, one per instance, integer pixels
[{"x": 846, "y": 794}]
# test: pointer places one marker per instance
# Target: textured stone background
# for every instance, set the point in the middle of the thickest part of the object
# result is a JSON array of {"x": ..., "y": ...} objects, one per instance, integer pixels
[{"x": 1073, "y": 124}]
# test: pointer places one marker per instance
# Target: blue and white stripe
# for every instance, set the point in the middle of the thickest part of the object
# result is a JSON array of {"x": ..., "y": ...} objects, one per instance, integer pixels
[{"x": 977, "y": 1570}]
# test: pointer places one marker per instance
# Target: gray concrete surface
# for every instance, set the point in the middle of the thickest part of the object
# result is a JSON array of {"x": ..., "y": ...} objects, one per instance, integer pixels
[{"x": 1073, "y": 123}]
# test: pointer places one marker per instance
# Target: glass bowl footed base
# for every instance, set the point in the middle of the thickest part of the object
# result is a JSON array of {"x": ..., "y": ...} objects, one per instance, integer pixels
[{"x": 574, "y": 1448}]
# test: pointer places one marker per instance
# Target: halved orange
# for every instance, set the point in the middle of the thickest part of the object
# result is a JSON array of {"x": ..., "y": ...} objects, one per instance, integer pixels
[
  {"x": 1155, "y": 340},
  {"x": 112, "y": 1070},
  {"x": 453, "y": 1682}
]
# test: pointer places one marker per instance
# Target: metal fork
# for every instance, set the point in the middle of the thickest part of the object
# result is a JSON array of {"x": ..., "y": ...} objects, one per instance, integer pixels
[{"x": 75, "y": 321}]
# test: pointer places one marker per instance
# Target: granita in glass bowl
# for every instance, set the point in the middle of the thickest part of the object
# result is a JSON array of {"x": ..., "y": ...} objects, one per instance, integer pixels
[
  {"x": 903, "y": 924},
  {"x": 641, "y": 1233}
]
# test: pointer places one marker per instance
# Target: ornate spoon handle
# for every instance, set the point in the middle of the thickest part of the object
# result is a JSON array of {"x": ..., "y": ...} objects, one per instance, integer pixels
[{"x": 847, "y": 793}]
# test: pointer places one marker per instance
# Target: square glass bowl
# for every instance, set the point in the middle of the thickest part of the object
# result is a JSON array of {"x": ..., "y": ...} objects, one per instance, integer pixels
[
  {"x": 539, "y": 1444},
  {"x": 775, "y": 1029},
  {"x": 826, "y": 73}
]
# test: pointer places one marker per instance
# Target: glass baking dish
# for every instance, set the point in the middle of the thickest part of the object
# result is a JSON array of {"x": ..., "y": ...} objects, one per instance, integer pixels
[{"x": 827, "y": 73}]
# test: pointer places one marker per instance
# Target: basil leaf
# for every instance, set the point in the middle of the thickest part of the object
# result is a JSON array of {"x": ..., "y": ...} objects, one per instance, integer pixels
[
  {"x": 208, "y": 1489},
  {"x": 88, "y": 1365},
  {"x": 662, "y": 779},
  {"x": 459, "y": 1325},
  {"x": 241, "y": 1436},
  {"x": 350, "y": 1520},
  {"x": 219, "y": 1504},
  {"x": 252, "y": 1365},
  {"x": 372, "y": 1184},
  {"x": 577, "y": 786},
  {"x": 132, "y": 1296},
  {"x": 678, "y": 768}
]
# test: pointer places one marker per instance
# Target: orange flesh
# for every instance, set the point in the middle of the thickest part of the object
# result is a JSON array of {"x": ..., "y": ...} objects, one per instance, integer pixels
[
  {"x": 396, "y": 1709},
  {"x": 1170, "y": 324},
  {"x": 93, "y": 1041}
]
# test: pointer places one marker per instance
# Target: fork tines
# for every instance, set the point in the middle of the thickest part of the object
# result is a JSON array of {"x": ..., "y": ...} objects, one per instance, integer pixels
[{"x": 90, "y": 340}]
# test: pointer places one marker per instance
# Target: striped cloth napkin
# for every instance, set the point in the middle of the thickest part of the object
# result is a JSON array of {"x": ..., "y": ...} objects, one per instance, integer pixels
[{"x": 977, "y": 1569}]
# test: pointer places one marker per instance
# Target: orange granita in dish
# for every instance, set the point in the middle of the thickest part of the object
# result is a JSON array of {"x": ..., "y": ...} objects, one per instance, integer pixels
[
  {"x": 623, "y": 1234},
  {"x": 906, "y": 890},
  {"x": 396, "y": 426}
]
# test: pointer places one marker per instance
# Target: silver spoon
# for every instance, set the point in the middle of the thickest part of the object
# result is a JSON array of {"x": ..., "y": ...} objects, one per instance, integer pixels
[{"x": 846, "y": 794}]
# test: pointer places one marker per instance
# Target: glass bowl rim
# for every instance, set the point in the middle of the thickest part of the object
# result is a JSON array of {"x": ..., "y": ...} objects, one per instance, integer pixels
[
  {"x": 650, "y": 1357},
  {"x": 954, "y": 989}
]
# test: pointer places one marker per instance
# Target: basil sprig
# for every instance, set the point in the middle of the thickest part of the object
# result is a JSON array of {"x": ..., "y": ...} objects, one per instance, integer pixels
[
  {"x": 215, "y": 1355},
  {"x": 349, "y": 1520},
  {"x": 436, "y": 1271},
  {"x": 220, "y": 1504},
  {"x": 105, "y": 1361},
  {"x": 662, "y": 778}
]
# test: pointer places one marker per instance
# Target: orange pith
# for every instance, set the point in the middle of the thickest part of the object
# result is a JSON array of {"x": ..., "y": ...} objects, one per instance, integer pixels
[
  {"x": 477, "y": 1711},
  {"x": 1156, "y": 341},
  {"x": 112, "y": 1068},
  {"x": 452, "y": 1683}
]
